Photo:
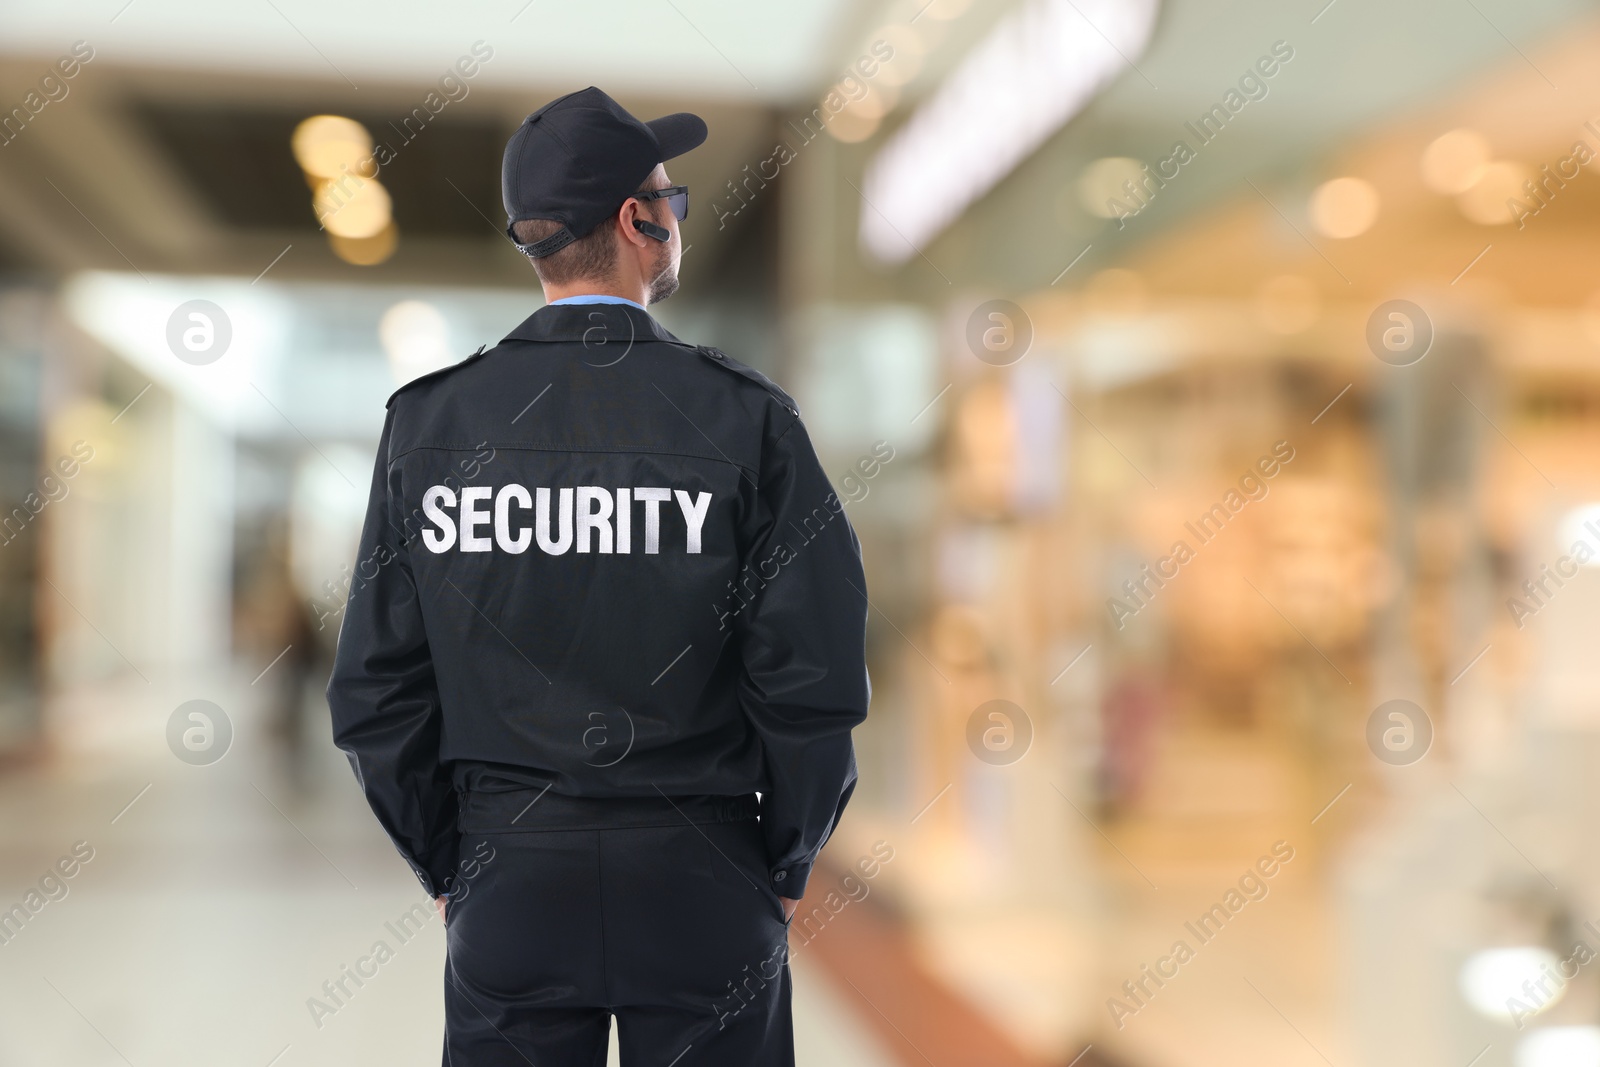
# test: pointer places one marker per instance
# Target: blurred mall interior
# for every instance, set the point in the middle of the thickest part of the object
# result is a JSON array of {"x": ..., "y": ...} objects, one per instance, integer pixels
[{"x": 1210, "y": 383}]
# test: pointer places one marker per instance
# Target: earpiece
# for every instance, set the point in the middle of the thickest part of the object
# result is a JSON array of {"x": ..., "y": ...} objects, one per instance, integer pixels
[{"x": 650, "y": 229}]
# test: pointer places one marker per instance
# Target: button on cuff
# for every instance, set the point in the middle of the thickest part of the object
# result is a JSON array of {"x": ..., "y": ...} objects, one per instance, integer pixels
[{"x": 790, "y": 882}]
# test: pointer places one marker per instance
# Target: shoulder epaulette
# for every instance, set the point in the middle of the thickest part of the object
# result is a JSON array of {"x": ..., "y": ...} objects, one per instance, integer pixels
[
  {"x": 723, "y": 360},
  {"x": 441, "y": 372}
]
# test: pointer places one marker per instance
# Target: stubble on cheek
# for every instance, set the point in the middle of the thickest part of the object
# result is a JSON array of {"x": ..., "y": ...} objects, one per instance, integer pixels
[{"x": 665, "y": 281}]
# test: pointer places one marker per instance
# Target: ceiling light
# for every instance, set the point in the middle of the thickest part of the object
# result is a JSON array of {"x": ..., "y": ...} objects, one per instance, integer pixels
[
  {"x": 1454, "y": 161},
  {"x": 1560, "y": 1046},
  {"x": 327, "y": 146},
  {"x": 1344, "y": 207},
  {"x": 366, "y": 251},
  {"x": 353, "y": 207},
  {"x": 1034, "y": 70},
  {"x": 1495, "y": 976},
  {"x": 1578, "y": 525},
  {"x": 1102, "y": 182}
]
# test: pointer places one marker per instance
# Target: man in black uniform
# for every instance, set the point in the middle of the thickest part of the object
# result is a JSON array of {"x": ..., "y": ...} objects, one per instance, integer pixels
[{"x": 605, "y": 597}]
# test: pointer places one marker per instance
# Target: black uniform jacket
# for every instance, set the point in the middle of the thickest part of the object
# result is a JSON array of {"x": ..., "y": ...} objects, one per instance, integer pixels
[{"x": 599, "y": 560}]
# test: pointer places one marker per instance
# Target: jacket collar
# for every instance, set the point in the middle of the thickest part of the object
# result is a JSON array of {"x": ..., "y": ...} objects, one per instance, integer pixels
[{"x": 588, "y": 322}]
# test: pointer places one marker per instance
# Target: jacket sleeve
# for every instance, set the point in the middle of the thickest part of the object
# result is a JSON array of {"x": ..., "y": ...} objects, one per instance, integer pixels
[
  {"x": 384, "y": 696},
  {"x": 802, "y": 638}
]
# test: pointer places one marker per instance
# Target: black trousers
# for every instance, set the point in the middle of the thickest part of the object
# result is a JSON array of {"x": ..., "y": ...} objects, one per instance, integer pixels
[{"x": 568, "y": 911}]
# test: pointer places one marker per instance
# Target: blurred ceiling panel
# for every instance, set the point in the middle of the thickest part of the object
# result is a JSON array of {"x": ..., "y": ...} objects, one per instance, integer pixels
[
  {"x": 238, "y": 164},
  {"x": 765, "y": 53}
]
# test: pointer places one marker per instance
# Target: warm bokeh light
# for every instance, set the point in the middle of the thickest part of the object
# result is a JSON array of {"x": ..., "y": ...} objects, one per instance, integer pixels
[
  {"x": 366, "y": 251},
  {"x": 852, "y": 127},
  {"x": 1102, "y": 186},
  {"x": 909, "y": 48},
  {"x": 876, "y": 102},
  {"x": 1455, "y": 160},
  {"x": 353, "y": 207},
  {"x": 1344, "y": 207},
  {"x": 416, "y": 338},
  {"x": 327, "y": 146},
  {"x": 1486, "y": 203}
]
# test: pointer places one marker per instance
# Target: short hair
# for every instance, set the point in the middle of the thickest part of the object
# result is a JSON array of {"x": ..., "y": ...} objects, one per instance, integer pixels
[{"x": 592, "y": 256}]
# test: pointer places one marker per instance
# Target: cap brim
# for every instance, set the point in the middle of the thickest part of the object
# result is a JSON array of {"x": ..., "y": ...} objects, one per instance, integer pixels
[{"x": 677, "y": 134}]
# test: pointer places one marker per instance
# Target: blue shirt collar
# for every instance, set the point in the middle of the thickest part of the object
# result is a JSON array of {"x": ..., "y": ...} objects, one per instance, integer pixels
[
  {"x": 567, "y": 320},
  {"x": 596, "y": 299}
]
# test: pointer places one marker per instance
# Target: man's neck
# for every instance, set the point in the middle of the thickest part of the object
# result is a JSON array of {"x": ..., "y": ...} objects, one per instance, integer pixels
[{"x": 639, "y": 293}]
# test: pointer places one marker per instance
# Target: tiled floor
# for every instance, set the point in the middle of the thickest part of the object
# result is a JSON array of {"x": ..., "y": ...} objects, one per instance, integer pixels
[
  {"x": 221, "y": 898},
  {"x": 216, "y": 906}
]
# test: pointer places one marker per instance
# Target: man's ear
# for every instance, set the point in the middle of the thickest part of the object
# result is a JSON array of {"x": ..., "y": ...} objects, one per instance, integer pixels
[{"x": 626, "y": 218}]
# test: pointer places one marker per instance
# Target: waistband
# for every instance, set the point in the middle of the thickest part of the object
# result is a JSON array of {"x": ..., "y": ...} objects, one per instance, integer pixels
[{"x": 524, "y": 810}]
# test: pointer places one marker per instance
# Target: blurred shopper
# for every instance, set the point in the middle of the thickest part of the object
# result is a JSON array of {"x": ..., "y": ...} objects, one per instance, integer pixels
[
  {"x": 274, "y": 624},
  {"x": 605, "y": 596}
]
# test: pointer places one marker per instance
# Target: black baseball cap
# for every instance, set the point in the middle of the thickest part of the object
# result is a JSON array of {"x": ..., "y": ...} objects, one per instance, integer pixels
[{"x": 577, "y": 159}]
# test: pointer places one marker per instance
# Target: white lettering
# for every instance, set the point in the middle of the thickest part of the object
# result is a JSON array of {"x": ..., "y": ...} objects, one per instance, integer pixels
[
  {"x": 694, "y": 516},
  {"x": 472, "y": 517},
  {"x": 439, "y": 540},
  {"x": 624, "y": 522},
  {"x": 541, "y": 522},
  {"x": 502, "y": 519},
  {"x": 594, "y": 513},
  {"x": 652, "y": 516},
  {"x": 588, "y": 518}
]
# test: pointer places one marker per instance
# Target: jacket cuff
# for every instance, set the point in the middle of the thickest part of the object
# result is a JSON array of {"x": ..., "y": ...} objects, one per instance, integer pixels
[
  {"x": 426, "y": 880},
  {"x": 434, "y": 884},
  {"x": 791, "y": 881}
]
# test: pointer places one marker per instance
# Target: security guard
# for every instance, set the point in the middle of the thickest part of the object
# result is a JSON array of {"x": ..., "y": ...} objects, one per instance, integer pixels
[{"x": 604, "y": 647}]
